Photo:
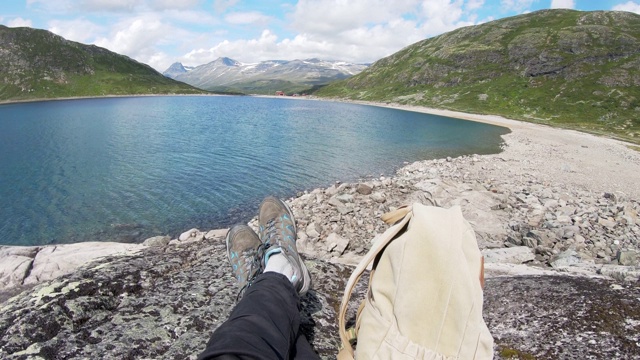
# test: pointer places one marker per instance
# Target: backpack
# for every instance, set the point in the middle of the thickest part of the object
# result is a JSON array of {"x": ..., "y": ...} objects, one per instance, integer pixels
[{"x": 425, "y": 291}]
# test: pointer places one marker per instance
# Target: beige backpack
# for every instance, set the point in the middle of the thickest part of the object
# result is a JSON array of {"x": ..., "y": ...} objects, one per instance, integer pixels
[{"x": 425, "y": 297}]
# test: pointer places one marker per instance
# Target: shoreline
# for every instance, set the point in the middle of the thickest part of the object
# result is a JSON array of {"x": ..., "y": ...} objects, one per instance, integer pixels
[
  {"x": 27, "y": 101},
  {"x": 534, "y": 158}
]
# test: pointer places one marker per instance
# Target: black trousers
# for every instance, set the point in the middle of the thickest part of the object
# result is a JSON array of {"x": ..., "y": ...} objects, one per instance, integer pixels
[{"x": 264, "y": 325}]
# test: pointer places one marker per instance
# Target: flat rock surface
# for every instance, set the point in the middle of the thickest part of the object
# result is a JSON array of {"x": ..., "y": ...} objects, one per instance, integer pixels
[{"x": 163, "y": 303}]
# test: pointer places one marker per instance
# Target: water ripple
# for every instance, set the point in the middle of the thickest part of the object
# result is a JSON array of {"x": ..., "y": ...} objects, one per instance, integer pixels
[{"x": 126, "y": 169}]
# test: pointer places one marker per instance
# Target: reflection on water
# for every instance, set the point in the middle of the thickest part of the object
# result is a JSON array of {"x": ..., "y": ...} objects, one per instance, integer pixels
[{"x": 129, "y": 168}]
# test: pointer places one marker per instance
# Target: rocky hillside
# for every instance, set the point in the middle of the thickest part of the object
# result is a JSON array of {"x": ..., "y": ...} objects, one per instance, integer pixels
[
  {"x": 266, "y": 77},
  {"x": 36, "y": 64},
  {"x": 570, "y": 68}
]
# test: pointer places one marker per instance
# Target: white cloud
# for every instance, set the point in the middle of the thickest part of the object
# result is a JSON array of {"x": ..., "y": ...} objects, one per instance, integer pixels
[
  {"x": 357, "y": 30},
  {"x": 630, "y": 6},
  {"x": 516, "y": 5},
  {"x": 156, "y": 32},
  {"x": 474, "y": 4},
  {"x": 113, "y": 6},
  {"x": 221, "y": 6},
  {"x": 443, "y": 15},
  {"x": 190, "y": 17},
  {"x": 563, "y": 4},
  {"x": 19, "y": 22},
  {"x": 80, "y": 30},
  {"x": 108, "y": 5},
  {"x": 172, "y": 4},
  {"x": 141, "y": 38},
  {"x": 338, "y": 16},
  {"x": 244, "y": 18}
]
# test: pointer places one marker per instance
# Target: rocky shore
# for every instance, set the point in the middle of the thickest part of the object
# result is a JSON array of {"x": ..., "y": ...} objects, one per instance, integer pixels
[{"x": 555, "y": 213}]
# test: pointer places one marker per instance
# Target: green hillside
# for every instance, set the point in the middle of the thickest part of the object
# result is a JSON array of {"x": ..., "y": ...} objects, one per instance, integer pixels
[
  {"x": 560, "y": 67},
  {"x": 37, "y": 64}
]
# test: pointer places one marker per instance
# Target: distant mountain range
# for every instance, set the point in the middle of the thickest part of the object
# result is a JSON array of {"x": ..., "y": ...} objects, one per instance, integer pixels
[
  {"x": 266, "y": 77},
  {"x": 563, "y": 67},
  {"x": 37, "y": 64}
]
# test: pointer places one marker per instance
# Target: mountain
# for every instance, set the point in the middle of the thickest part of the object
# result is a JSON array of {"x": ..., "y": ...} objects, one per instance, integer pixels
[
  {"x": 176, "y": 69},
  {"x": 37, "y": 64},
  {"x": 562, "y": 67},
  {"x": 266, "y": 77}
]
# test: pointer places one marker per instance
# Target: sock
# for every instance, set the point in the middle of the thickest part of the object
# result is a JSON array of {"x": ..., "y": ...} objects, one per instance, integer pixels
[{"x": 277, "y": 262}]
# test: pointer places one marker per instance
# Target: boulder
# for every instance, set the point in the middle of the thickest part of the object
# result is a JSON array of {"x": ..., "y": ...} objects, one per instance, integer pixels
[
  {"x": 187, "y": 234},
  {"x": 378, "y": 197},
  {"x": 512, "y": 255},
  {"x": 565, "y": 259},
  {"x": 217, "y": 233},
  {"x": 56, "y": 260},
  {"x": 627, "y": 258},
  {"x": 336, "y": 243},
  {"x": 313, "y": 230},
  {"x": 621, "y": 272},
  {"x": 15, "y": 264},
  {"x": 157, "y": 241},
  {"x": 29, "y": 265},
  {"x": 364, "y": 189}
]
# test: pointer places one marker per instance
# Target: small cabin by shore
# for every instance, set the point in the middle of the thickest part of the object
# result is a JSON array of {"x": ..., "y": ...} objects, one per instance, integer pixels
[{"x": 279, "y": 93}]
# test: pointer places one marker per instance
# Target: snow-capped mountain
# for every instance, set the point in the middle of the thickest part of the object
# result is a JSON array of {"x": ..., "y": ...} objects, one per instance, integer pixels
[
  {"x": 176, "y": 69},
  {"x": 225, "y": 74}
]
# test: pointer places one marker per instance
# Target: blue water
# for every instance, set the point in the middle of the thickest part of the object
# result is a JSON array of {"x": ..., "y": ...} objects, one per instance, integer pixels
[{"x": 125, "y": 169}]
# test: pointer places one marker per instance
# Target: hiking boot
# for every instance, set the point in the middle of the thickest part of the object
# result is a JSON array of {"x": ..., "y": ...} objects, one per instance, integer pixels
[
  {"x": 278, "y": 233},
  {"x": 242, "y": 250}
]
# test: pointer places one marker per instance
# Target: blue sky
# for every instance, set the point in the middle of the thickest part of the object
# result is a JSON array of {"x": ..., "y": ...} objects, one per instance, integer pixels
[{"x": 195, "y": 32}]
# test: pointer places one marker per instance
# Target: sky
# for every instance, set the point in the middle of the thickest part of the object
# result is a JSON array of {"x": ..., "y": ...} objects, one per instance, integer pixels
[{"x": 196, "y": 32}]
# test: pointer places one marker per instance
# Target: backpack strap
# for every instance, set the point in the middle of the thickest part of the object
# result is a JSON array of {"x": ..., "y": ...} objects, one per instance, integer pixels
[{"x": 400, "y": 217}]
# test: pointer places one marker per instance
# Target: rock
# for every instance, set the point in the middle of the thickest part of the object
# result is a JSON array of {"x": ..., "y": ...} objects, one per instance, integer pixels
[
  {"x": 627, "y": 258},
  {"x": 15, "y": 264},
  {"x": 606, "y": 223},
  {"x": 345, "y": 198},
  {"x": 334, "y": 201},
  {"x": 154, "y": 305},
  {"x": 57, "y": 260},
  {"x": 513, "y": 255},
  {"x": 378, "y": 197},
  {"x": 336, "y": 243},
  {"x": 529, "y": 242},
  {"x": 565, "y": 259},
  {"x": 217, "y": 233},
  {"x": 621, "y": 272},
  {"x": 344, "y": 210},
  {"x": 313, "y": 230},
  {"x": 187, "y": 234},
  {"x": 564, "y": 311},
  {"x": 157, "y": 241},
  {"x": 165, "y": 304},
  {"x": 364, "y": 189}
]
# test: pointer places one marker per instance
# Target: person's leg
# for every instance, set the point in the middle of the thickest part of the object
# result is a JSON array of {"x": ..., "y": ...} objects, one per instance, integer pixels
[
  {"x": 303, "y": 349},
  {"x": 264, "y": 324}
]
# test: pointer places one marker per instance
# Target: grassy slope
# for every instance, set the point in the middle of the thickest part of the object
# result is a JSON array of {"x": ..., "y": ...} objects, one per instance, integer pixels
[
  {"x": 564, "y": 68},
  {"x": 40, "y": 65}
]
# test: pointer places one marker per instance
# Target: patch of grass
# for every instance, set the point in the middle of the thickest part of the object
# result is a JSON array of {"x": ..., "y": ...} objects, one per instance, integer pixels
[
  {"x": 38, "y": 64},
  {"x": 509, "y": 353},
  {"x": 546, "y": 67}
]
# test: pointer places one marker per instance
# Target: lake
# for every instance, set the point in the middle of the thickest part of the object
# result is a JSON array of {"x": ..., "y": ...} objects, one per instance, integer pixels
[{"x": 124, "y": 169}]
